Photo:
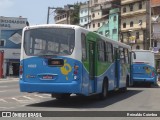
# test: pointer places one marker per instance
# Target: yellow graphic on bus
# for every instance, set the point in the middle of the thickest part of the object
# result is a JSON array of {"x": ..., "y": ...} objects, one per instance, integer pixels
[
  {"x": 148, "y": 70},
  {"x": 66, "y": 69}
]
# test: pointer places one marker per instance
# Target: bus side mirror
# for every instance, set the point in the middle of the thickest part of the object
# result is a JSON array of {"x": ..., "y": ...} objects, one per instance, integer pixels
[{"x": 134, "y": 54}]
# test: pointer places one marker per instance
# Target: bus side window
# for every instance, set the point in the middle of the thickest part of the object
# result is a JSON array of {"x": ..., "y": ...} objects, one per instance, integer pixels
[
  {"x": 109, "y": 52},
  {"x": 83, "y": 42},
  {"x": 126, "y": 56},
  {"x": 101, "y": 47},
  {"x": 122, "y": 55}
]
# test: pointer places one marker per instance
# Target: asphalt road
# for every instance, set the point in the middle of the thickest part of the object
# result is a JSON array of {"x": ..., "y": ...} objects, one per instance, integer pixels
[{"x": 135, "y": 99}]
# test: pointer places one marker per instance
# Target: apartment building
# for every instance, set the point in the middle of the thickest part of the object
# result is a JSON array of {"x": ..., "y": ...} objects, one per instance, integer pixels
[
  {"x": 63, "y": 15},
  {"x": 98, "y": 13},
  {"x": 135, "y": 23},
  {"x": 10, "y": 44},
  {"x": 84, "y": 14},
  {"x": 155, "y": 7},
  {"x": 111, "y": 28}
]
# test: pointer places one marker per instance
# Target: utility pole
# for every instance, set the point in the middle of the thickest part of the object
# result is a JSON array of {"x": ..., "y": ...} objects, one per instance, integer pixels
[
  {"x": 49, "y": 8},
  {"x": 48, "y": 15}
]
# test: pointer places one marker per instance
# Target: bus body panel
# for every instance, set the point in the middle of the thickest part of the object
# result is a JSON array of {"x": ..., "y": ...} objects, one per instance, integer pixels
[
  {"x": 38, "y": 72},
  {"x": 74, "y": 76},
  {"x": 143, "y": 67}
]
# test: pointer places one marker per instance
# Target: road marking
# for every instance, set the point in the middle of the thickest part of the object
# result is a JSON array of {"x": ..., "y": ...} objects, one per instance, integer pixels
[
  {"x": 20, "y": 101},
  {"x": 3, "y": 91},
  {"x": 28, "y": 97},
  {"x": 41, "y": 96},
  {"x": 2, "y": 100}
]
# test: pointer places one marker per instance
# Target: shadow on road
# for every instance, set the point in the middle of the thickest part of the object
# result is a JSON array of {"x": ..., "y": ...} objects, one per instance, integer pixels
[{"x": 87, "y": 102}]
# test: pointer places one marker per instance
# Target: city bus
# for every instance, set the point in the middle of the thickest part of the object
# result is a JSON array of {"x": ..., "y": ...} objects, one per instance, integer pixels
[
  {"x": 66, "y": 59},
  {"x": 143, "y": 68}
]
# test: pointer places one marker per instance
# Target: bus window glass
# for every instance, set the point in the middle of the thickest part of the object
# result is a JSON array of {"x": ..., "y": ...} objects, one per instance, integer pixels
[
  {"x": 122, "y": 55},
  {"x": 101, "y": 51},
  {"x": 84, "y": 55},
  {"x": 49, "y": 41},
  {"x": 109, "y": 53},
  {"x": 126, "y": 55}
]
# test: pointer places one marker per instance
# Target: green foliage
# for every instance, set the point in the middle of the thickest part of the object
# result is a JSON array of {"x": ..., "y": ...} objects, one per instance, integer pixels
[{"x": 75, "y": 15}]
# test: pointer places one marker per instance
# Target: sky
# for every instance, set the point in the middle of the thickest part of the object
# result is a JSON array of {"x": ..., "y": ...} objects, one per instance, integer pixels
[{"x": 34, "y": 10}]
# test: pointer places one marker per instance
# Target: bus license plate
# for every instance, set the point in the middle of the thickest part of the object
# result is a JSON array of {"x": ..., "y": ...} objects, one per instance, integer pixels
[{"x": 47, "y": 77}]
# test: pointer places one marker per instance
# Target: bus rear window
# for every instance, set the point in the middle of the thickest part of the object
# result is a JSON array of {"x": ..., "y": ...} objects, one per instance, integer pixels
[{"x": 49, "y": 41}]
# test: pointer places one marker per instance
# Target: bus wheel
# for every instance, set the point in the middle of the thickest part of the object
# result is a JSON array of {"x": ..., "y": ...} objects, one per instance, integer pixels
[
  {"x": 61, "y": 96},
  {"x": 127, "y": 82},
  {"x": 104, "y": 93}
]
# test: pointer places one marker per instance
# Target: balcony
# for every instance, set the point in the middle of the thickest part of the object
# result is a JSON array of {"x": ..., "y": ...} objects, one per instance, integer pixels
[
  {"x": 124, "y": 2},
  {"x": 133, "y": 13}
]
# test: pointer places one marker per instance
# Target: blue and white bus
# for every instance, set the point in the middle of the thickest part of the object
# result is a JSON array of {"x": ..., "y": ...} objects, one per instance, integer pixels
[
  {"x": 143, "y": 67},
  {"x": 65, "y": 59}
]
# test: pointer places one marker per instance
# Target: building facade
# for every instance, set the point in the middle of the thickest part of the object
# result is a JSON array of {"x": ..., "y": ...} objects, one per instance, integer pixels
[
  {"x": 111, "y": 28},
  {"x": 67, "y": 15},
  {"x": 10, "y": 43},
  {"x": 84, "y": 14},
  {"x": 155, "y": 8},
  {"x": 134, "y": 25}
]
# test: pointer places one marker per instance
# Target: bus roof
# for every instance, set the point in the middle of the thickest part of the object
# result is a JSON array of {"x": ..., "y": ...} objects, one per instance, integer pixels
[{"x": 77, "y": 27}]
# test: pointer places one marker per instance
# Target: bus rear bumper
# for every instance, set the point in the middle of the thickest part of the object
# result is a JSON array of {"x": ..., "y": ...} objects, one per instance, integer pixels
[
  {"x": 148, "y": 80},
  {"x": 72, "y": 87}
]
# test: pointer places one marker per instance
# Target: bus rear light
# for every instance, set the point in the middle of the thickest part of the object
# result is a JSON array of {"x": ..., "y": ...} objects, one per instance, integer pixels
[
  {"x": 153, "y": 74},
  {"x": 76, "y": 67},
  {"x": 21, "y": 70},
  {"x": 75, "y": 72}
]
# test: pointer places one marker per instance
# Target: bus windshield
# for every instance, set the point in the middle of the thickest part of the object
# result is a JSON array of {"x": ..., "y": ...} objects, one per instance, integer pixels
[{"x": 49, "y": 41}]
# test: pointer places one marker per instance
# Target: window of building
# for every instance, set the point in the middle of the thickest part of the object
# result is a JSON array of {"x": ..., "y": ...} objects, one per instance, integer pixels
[
  {"x": 131, "y": 7},
  {"x": 137, "y": 47},
  {"x": 115, "y": 18},
  {"x": 107, "y": 33},
  {"x": 81, "y": 20},
  {"x": 114, "y": 31},
  {"x": 101, "y": 32},
  {"x": 124, "y": 9},
  {"x": 85, "y": 19},
  {"x": 2, "y": 42},
  {"x": 81, "y": 11},
  {"x": 140, "y": 22},
  {"x": 84, "y": 53},
  {"x": 140, "y": 5},
  {"x": 93, "y": 25},
  {"x": 124, "y": 25},
  {"x": 93, "y": 15},
  {"x": 137, "y": 35},
  {"x": 98, "y": 24},
  {"x": 131, "y": 24}
]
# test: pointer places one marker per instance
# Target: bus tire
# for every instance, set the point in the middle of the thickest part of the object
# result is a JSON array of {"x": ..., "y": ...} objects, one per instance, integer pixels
[
  {"x": 127, "y": 81},
  {"x": 104, "y": 93},
  {"x": 61, "y": 96}
]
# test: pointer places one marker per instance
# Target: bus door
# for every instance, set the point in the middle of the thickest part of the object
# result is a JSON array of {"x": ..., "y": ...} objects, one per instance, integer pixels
[
  {"x": 117, "y": 68},
  {"x": 92, "y": 67}
]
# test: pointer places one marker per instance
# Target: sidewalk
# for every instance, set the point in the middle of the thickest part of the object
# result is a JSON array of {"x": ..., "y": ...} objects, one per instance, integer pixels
[{"x": 9, "y": 79}]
